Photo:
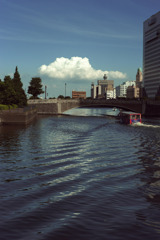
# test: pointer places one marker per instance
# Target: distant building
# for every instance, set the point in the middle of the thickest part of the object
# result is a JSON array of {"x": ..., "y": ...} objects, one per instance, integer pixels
[
  {"x": 95, "y": 91},
  {"x": 103, "y": 89},
  {"x": 111, "y": 93},
  {"x": 121, "y": 90},
  {"x": 106, "y": 85},
  {"x": 135, "y": 91},
  {"x": 151, "y": 55},
  {"x": 78, "y": 94},
  {"x": 139, "y": 78}
]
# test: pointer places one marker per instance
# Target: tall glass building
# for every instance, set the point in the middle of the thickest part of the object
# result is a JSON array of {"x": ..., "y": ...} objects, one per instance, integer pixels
[{"x": 151, "y": 55}]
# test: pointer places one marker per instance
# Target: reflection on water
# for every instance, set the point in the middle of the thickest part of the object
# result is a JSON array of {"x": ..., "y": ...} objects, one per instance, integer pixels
[
  {"x": 92, "y": 111},
  {"x": 80, "y": 177}
]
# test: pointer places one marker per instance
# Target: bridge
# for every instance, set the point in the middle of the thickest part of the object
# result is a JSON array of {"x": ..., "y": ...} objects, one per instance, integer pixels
[
  {"x": 58, "y": 106},
  {"x": 132, "y": 105}
]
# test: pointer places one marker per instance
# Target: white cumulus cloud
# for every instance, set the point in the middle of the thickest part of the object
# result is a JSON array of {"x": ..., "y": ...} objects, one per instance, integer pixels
[{"x": 76, "y": 68}]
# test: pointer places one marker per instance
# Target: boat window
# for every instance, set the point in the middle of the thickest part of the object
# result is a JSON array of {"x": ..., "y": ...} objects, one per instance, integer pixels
[{"x": 135, "y": 117}]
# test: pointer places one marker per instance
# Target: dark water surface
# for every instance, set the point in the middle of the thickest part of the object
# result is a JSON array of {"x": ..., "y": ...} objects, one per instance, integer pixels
[{"x": 83, "y": 177}]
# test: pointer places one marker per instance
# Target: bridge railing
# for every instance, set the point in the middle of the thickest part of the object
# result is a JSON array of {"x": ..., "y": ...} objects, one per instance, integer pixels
[
  {"x": 107, "y": 101},
  {"x": 56, "y": 100}
]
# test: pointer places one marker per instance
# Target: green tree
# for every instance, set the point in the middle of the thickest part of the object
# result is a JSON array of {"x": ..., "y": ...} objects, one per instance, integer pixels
[
  {"x": 17, "y": 80},
  {"x": 11, "y": 91},
  {"x": 8, "y": 80},
  {"x": 1, "y": 92},
  {"x": 61, "y": 96},
  {"x": 35, "y": 87},
  {"x": 20, "y": 96},
  {"x": 9, "y": 94}
]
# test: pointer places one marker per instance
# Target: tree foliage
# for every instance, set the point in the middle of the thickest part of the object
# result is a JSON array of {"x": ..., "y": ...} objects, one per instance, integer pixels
[
  {"x": 35, "y": 87},
  {"x": 11, "y": 91},
  {"x": 20, "y": 96},
  {"x": 61, "y": 96}
]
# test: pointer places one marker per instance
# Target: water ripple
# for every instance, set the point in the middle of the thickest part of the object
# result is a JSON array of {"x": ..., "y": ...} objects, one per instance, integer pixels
[{"x": 79, "y": 178}]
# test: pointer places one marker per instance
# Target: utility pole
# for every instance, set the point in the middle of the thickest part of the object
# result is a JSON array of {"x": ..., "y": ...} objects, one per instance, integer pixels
[
  {"x": 65, "y": 89},
  {"x": 45, "y": 92}
]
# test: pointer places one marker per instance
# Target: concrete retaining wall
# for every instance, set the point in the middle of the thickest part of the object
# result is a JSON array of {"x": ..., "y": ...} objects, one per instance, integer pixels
[
  {"x": 47, "y": 108},
  {"x": 53, "y": 106},
  {"x": 69, "y": 104},
  {"x": 18, "y": 116}
]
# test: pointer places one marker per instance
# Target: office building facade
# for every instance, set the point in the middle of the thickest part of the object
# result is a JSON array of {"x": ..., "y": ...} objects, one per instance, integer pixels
[
  {"x": 103, "y": 89},
  {"x": 121, "y": 90},
  {"x": 95, "y": 91},
  {"x": 151, "y": 55},
  {"x": 135, "y": 90}
]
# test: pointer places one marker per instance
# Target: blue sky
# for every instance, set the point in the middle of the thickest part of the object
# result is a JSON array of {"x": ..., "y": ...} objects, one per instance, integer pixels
[{"x": 73, "y": 41}]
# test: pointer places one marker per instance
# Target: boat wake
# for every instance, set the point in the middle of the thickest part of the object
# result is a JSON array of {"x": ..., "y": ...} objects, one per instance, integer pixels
[{"x": 145, "y": 125}]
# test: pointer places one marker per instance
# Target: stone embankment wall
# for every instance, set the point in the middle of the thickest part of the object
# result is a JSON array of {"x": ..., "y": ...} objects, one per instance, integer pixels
[
  {"x": 18, "y": 116},
  {"x": 69, "y": 104},
  {"x": 53, "y": 106}
]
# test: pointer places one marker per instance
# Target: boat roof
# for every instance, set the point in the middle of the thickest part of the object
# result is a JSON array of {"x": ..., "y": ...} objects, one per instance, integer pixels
[{"x": 126, "y": 112}]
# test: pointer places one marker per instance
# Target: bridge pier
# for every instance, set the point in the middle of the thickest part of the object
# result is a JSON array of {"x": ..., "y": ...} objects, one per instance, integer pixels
[
  {"x": 59, "y": 108},
  {"x": 143, "y": 107},
  {"x": 152, "y": 108}
]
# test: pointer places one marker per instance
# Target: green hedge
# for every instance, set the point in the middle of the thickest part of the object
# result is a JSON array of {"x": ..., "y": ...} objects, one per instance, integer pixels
[{"x": 7, "y": 107}]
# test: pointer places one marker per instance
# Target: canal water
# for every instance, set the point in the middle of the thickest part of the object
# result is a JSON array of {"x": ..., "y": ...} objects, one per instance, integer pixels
[{"x": 82, "y": 175}]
